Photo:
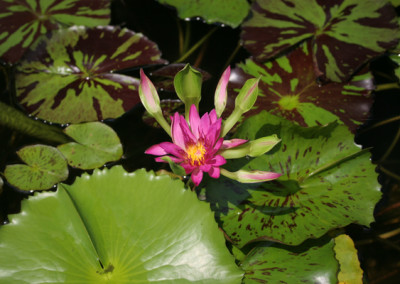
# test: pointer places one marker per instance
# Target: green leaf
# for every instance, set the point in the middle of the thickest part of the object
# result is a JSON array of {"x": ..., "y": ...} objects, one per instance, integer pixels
[
  {"x": 142, "y": 229},
  {"x": 345, "y": 34},
  {"x": 64, "y": 79},
  {"x": 313, "y": 262},
  {"x": 288, "y": 89},
  {"x": 96, "y": 144},
  {"x": 327, "y": 183},
  {"x": 23, "y": 21},
  {"x": 228, "y": 12},
  {"x": 45, "y": 166},
  {"x": 346, "y": 254}
]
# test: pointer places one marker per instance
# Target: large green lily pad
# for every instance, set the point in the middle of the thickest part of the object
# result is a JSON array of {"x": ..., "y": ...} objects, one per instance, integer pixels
[
  {"x": 45, "y": 166},
  {"x": 115, "y": 227},
  {"x": 345, "y": 34},
  {"x": 95, "y": 144},
  {"x": 228, "y": 12},
  {"x": 288, "y": 88},
  {"x": 313, "y": 262},
  {"x": 23, "y": 21},
  {"x": 67, "y": 78},
  {"x": 327, "y": 183}
]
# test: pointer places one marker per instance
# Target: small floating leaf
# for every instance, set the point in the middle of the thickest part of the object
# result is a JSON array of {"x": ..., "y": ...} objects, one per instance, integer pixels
[
  {"x": 95, "y": 144},
  {"x": 116, "y": 227},
  {"x": 45, "y": 166}
]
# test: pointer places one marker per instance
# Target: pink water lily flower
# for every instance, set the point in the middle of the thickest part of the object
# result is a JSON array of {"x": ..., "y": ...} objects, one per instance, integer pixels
[{"x": 195, "y": 147}]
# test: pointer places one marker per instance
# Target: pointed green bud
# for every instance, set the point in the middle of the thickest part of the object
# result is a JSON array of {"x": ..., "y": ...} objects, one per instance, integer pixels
[
  {"x": 262, "y": 145},
  {"x": 243, "y": 103},
  {"x": 250, "y": 176},
  {"x": 221, "y": 95},
  {"x": 187, "y": 84},
  {"x": 254, "y": 148},
  {"x": 247, "y": 95}
]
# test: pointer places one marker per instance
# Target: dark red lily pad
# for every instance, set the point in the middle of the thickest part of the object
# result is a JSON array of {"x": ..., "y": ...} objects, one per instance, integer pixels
[
  {"x": 23, "y": 21},
  {"x": 345, "y": 34},
  {"x": 288, "y": 88},
  {"x": 69, "y": 75}
]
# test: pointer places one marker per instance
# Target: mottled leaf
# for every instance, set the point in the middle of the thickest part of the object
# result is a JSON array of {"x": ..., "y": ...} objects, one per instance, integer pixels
[
  {"x": 288, "y": 88},
  {"x": 327, "y": 183},
  {"x": 45, "y": 166},
  {"x": 313, "y": 262},
  {"x": 23, "y": 21},
  {"x": 345, "y": 252},
  {"x": 67, "y": 78},
  {"x": 345, "y": 34},
  {"x": 116, "y": 227},
  {"x": 228, "y": 12},
  {"x": 95, "y": 144}
]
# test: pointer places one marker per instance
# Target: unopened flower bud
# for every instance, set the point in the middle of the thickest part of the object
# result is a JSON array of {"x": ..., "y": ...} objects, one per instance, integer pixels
[
  {"x": 221, "y": 95},
  {"x": 250, "y": 176}
]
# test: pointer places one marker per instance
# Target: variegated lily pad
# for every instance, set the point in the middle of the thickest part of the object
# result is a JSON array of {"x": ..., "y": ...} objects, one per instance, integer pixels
[
  {"x": 45, "y": 166},
  {"x": 69, "y": 76},
  {"x": 95, "y": 144},
  {"x": 23, "y": 21},
  {"x": 313, "y": 262},
  {"x": 288, "y": 88},
  {"x": 327, "y": 183},
  {"x": 228, "y": 12},
  {"x": 345, "y": 34},
  {"x": 346, "y": 254}
]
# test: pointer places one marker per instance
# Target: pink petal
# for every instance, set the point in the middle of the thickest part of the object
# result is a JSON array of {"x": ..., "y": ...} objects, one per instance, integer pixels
[
  {"x": 227, "y": 144},
  {"x": 194, "y": 120},
  {"x": 213, "y": 116},
  {"x": 218, "y": 160},
  {"x": 156, "y": 150},
  {"x": 188, "y": 167},
  {"x": 205, "y": 168},
  {"x": 188, "y": 136},
  {"x": 204, "y": 125},
  {"x": 176, "y": 131},
  {"x": 197, "y": 176},
  {"x": 214, "y": 172}
]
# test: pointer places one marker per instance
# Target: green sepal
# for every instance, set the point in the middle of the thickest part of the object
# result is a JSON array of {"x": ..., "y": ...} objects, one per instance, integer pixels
[{"x": 176, "y": 169}]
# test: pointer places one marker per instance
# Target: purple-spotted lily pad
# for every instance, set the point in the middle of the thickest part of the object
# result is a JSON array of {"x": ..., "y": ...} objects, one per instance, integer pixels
[
  {"x": 116, "y": 227},
  {"x": 327, "y": 182},
  {"x": 45, "y": 166},
  {"x": 69, "y": 76},
  {"x": 23, "y": 21},
  {"x": 345, "y": 34},
  {"x": 288, "y": 88},
  {"x": 313, "y": 262},
  {"x": 95, "y": 144},
  {"x": 228, "y": 12}
]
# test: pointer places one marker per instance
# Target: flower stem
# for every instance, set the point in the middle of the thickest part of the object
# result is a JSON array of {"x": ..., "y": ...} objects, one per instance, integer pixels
[
  {"x": 196, "y": 46},
  {"x": 231, "y": 121}
]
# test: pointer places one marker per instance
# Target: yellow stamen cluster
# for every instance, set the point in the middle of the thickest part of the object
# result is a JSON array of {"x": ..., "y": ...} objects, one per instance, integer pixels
[{"x": 196, "y": 154}]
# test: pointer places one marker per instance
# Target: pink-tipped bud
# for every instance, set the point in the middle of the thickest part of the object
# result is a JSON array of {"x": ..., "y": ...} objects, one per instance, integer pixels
[
  {"x": 250, "y": 176},
  {"x": 247, "y": 95},
  {"x": 148, "y": 95},
  {"x": 221, "y": 95}
]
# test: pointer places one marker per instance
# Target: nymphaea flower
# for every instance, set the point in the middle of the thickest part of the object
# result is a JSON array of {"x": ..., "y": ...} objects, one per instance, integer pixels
[{"x": 197, "y": 143}]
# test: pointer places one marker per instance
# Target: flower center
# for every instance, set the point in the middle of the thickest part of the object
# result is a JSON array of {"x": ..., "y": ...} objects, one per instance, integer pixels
[{"x": 196, "y": 153}]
